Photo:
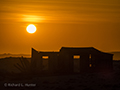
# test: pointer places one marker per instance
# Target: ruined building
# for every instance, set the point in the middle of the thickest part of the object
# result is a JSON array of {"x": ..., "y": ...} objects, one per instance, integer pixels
[{"x": 72, "y": 60}]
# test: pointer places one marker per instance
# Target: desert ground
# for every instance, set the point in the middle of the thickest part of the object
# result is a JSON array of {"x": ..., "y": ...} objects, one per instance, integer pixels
[{"x": 84, "y": 81}]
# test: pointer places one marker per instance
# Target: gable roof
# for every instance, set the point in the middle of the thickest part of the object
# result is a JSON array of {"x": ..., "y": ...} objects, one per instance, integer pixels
[{"x": 82, "y": 50}]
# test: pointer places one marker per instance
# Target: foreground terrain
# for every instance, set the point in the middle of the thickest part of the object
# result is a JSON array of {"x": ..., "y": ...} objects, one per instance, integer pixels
[{"x": 90, "y": 81}]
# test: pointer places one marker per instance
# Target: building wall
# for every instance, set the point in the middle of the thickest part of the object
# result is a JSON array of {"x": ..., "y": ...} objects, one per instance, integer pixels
[
  {"x": 36, "y": 62},
  {"x": 63, "y": 61}
]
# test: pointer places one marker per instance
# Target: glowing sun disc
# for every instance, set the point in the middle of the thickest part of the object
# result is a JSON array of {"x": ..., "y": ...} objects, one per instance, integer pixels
[{"x": 31, "y": 28}]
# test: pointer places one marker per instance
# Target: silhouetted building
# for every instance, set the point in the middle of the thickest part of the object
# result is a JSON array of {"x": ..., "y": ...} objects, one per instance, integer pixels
[{"x": 72, "y": 60}]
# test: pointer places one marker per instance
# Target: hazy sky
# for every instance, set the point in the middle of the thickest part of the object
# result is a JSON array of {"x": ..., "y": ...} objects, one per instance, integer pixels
[{"x": 74, "y": 23}]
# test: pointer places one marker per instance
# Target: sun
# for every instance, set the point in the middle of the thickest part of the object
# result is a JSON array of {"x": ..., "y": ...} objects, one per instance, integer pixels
[{"x": 31, "y": 28}]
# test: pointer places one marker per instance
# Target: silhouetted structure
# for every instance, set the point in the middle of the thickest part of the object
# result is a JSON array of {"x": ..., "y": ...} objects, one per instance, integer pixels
[{"x": 72, "y": 60}]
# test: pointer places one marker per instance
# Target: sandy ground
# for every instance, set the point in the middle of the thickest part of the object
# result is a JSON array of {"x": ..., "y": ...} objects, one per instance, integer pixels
[{"x": 91, "y": 81}]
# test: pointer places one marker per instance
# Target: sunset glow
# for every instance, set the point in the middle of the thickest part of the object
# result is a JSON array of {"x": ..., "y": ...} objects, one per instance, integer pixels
[
  {"x": 32, "y": 18},
  {"x": 74, "y": 23},
  {"x": 31, "y": 28}
]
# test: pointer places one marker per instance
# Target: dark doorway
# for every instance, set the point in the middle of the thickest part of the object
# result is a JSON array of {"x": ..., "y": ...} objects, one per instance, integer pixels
[
  {"x": 76, "y": 62},
  {"x": 45, "y": 63}
]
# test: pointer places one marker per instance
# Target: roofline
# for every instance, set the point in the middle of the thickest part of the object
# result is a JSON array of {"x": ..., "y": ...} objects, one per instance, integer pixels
[
  {"x": 47, "y": 52},
  {"x": 71, "y": 48},
  {"x": 85, "y": 48},
  {"x": 77, "y": 47}
]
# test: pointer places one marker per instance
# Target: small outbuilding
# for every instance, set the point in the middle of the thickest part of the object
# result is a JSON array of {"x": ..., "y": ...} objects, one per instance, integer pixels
[{"x": 72, "y": 60}]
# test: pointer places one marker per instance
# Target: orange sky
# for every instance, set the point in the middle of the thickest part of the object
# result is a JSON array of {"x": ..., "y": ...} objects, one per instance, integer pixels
[{"x": 74, "y": 23}]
